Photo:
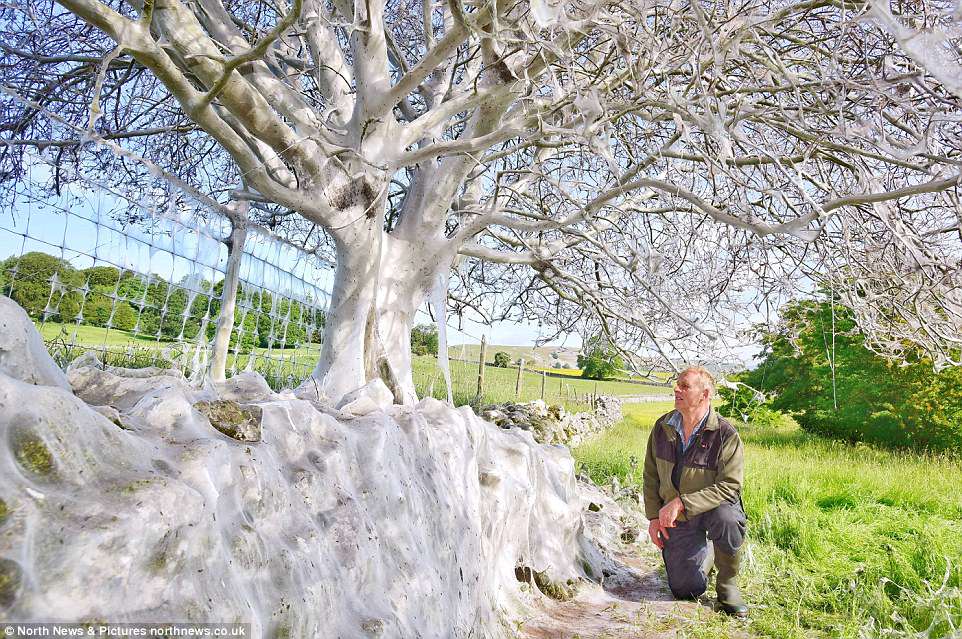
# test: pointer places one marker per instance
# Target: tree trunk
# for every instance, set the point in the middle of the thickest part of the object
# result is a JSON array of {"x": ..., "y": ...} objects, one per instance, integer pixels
[
  {"x": 368, "y": 325},
  {"x": 228, "y": 300}
]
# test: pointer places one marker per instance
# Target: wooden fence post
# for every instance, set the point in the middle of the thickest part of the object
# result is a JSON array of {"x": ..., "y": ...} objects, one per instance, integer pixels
[
  {"x": 484, "y": 346},
  {"x": 517, "y": 384},
  {"x": 544, "y": 378}
]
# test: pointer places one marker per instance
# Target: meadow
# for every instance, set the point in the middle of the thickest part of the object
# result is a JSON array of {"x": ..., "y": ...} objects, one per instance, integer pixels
[
  {"x": 287, "y": 367},
  {"x": 844, "y": 540}
]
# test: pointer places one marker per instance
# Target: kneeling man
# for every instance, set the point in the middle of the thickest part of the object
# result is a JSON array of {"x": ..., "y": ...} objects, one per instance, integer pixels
[{"x": 693, "y": 481}]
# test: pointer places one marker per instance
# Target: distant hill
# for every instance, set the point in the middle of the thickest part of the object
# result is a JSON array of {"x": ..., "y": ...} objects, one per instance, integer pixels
[
  {"x": 534, "y": 356},
  {"x": 546, "y": 356}
]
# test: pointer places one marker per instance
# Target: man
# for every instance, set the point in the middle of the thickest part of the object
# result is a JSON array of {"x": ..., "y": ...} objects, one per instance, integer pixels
[{"x": 693, "y": 480}]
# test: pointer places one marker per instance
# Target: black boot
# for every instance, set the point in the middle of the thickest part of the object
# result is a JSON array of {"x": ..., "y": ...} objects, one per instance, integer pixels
[{"x": 729, "y": 599}]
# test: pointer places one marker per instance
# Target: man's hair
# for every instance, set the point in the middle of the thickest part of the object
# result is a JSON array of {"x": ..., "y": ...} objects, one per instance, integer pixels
[{"x": 707, "y": 379}]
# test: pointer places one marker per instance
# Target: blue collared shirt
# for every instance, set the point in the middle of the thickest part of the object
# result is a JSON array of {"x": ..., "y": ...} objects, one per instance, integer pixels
[{"x": 676, "y": 421}]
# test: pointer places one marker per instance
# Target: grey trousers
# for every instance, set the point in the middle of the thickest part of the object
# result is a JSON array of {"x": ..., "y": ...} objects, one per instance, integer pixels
[{"x": 686, "y": 548}]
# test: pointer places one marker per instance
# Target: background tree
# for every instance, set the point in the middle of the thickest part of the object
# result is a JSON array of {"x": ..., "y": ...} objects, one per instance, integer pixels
[
  {"x": 502, "y": 359},
  {"x": 816, "y": 366},
  {"x": 638, "y": 170},
  {"x": 45, "y": 286},
  {"x": 424, "y": 340},
  {"x": 599, "y": 359}
]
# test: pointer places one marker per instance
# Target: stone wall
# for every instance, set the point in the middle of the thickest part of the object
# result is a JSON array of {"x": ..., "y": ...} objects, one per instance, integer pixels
[
  {"x": 552, "y": 424},
  {"x": 134, "y": 496}
]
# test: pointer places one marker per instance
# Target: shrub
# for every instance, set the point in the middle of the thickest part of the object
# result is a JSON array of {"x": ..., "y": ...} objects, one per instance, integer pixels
[
  {"x": 502, "y": 359},
  {"x": 599, "y": 360},
  {"x": 424, "y": 340},
  {"x": 743, "y": 403},
  {"x": 848, "y": 392},
  {"x": 29, "y": 281}
]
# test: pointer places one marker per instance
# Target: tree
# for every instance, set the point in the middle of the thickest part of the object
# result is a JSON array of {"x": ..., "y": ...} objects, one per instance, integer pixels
[
  {"x": 816, "y": 366},
  {"x": 633, "y": 169},
  {"x": 101, "y": 310},
  {"x": 45, "y": 286},
  {"x": 424, "y": 340},
  {"x": 600, "y": 359},
  {"x": 502, "y": 359}
]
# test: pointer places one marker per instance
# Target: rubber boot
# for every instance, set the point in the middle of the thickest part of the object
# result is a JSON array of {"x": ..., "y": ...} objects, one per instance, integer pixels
[{"x": 729, "y": 599}]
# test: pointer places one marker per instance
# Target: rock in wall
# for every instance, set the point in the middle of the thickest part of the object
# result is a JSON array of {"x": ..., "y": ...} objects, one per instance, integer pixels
[
  {"x": 121, "y": 501},
  {"x": 552, "y": 424}
]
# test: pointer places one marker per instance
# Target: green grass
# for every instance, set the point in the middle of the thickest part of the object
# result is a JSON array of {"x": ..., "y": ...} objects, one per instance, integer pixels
[
  {"x": 287, "y": 367},
  {"x": 844, "y": 541},
  {"x": 280, "y": 367},
  {"x": 538, "y": 358},
  {"x": 499, "y": 385},
  {"x": 95, "y": 336}
]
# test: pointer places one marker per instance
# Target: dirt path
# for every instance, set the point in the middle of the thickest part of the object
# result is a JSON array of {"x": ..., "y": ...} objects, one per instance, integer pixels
[{"x": 631, "y": 602}]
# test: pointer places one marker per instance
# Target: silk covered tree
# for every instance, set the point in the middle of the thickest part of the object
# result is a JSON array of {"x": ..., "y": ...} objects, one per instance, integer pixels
[{"x": 654, "y": 172}]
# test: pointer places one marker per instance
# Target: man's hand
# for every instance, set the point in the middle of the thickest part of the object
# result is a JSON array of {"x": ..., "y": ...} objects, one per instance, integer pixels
[
  {"x": 657, "y": 533},
  {"x": 669, "y": 512}
]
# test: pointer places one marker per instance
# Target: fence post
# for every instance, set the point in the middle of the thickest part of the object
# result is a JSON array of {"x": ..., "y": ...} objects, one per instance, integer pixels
[
  {"x": 228, "y": 299},
  {"x": 594, "y": 399},
  {"x": 544, "y": 378},
  {"x": 517, "y": 384},
  {"x": 484, "y": 347}
]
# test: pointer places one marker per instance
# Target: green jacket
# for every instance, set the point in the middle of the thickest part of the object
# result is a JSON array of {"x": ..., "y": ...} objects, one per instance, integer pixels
[{"x": 711, "y": 473}]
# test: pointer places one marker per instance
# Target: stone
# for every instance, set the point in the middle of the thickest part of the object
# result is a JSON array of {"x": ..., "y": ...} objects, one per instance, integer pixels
[
  {"x": 538, "y": 407},
  {"x": 23, "y": 355},
  {"x": 11, "y": 583},
  {"x": 372, "y": 397},
  {"x": 242, "y": 423},
  {"x": 246, "y": 386},
  {"x": 552, "y": 424},
  {"x": 425, "y": 511},
  {"x": 121, "y": 388},
  {"x": 310, "y": 391}
]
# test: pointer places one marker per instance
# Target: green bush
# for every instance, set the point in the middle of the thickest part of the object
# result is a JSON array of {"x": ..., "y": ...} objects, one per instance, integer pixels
[
  {"x": 424, "y": 340},
  {"x": 502, "y": 359},
  {"x": 599, "y": 359},
  {"x": 818, "y": 369},
  {"x": 738, "y": 400},
  {"x": 743, "y": 403},
  {"x": 766, "y": 417},
  {"x": 98, "y": 308},
  {"x": 30, "y": 282}
]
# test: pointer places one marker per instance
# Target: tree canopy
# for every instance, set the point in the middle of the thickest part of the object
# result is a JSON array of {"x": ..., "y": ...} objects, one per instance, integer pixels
[
  {"x": 599, "y": 359},
  {"x": 656, "y": 172}
]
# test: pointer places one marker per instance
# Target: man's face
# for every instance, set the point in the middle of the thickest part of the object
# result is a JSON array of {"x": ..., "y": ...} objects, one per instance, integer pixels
[{"x": 689, "y": 392}]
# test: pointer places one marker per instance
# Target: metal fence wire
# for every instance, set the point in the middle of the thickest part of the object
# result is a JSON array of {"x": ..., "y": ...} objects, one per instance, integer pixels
[{"x": 102, "y": 269}]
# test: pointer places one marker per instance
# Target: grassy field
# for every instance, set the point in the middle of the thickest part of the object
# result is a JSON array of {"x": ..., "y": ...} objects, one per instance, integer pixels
[
  {"x": 281, "y": 367},
  {"x": 500, "y": 383},
  {"x": 286, "y": 367},
  {"x": 844, "y": 541},
  {"x": 536, "y": 358}
]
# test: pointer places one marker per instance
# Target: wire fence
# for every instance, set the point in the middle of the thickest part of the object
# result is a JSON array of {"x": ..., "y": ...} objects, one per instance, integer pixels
[{"x": 105, "y": 270}]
